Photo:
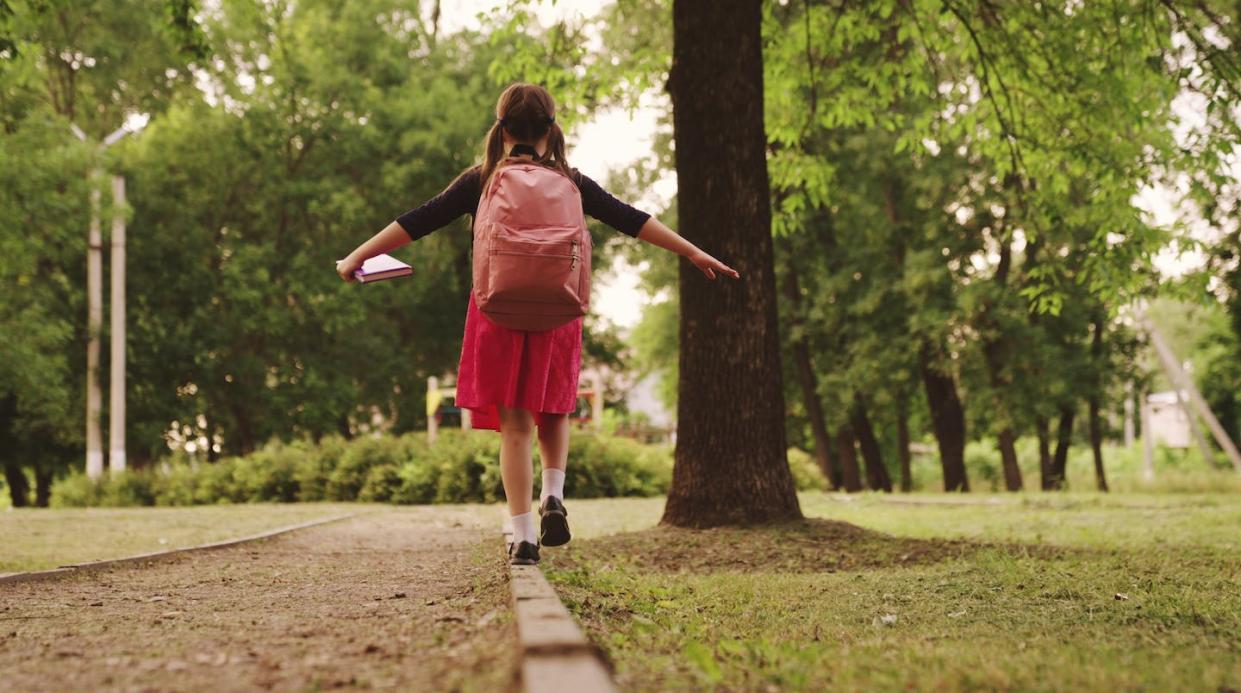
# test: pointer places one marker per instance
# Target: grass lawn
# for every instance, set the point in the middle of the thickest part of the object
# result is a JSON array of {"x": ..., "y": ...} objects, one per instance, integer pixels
[
  {"x": 39, "y": 538},
  {"x": 1032, "y": 591}
]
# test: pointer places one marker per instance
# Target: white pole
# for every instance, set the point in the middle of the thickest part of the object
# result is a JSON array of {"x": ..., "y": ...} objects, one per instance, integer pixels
[
  {"x": 116, "y": 435},
  {"x": 596, "y": 402},
  {"x": 1129, "y": 414},
  {"x": 94, "y": 309},
  {"x": 1148, "y": 443},
  {"x": 94, "y": 325},
  {"x": 433, "y": 384},
  {"x": 1180, "y": 378}
]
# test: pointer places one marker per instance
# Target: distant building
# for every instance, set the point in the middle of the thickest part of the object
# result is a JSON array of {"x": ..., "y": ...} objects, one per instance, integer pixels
[
  {"x": 1169, "y": 422},
  {"x": 644, "y": 398}
]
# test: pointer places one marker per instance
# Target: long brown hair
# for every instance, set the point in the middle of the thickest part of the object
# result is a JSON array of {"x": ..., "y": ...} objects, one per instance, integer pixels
[{"x": 528, "y": 112}]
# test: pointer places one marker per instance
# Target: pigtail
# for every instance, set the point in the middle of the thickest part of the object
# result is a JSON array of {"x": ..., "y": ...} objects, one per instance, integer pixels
[
  {"x": 492, "y": 154},
  {"x": 554, "y": 157}
]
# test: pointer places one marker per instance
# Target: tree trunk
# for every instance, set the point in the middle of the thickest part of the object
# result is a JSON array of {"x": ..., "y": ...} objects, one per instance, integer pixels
[
  {"x": 42, "y": 485},
  {"x": 212, "y": 455},
  {"x": 1008, "y": 455},
  {"x": 823, "y": 453},
  {"x": 995, "y": 354},
  {"x": 1096, "y": 444},
  {"x": 1044, "y": 452},
  {"x": 902, "y": 441},
  {"x": 847, "y": 455},
  {"x": 19, "y": 486},
  {"x": 726, "y": 473},
  {"x": 877, "y": 477},
  {"x": 1064, "y": 438},
  {"x": 1096, "y": 425},
  {"x": 947, "y": 420}
]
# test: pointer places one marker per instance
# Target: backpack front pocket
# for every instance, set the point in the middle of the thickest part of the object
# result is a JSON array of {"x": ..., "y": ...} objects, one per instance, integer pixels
[{"x": 531, "y": 271}]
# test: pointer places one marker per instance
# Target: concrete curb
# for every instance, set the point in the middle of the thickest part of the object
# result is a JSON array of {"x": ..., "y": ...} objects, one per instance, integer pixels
[
  {"x": 555, "y": 655},
  {"x": 156, "y": 555}
]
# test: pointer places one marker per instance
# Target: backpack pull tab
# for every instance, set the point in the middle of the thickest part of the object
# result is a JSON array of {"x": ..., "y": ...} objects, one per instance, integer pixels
[{"x": 573, "y": 264}]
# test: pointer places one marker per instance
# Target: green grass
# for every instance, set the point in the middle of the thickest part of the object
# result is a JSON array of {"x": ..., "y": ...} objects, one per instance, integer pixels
[
  {"x": 39, "y": 538},
  {"x": 924, "y": 591}
]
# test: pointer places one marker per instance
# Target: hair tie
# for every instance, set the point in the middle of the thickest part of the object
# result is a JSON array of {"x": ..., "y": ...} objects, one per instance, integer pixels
[{"x": 551, "y": 119}]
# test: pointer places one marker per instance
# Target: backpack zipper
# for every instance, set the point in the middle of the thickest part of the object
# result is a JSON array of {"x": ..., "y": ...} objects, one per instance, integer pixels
[{"x": 573, "y": 264}]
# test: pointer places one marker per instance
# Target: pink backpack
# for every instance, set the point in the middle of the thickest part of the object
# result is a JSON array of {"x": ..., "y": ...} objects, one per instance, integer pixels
[{"x": 531, "y": 249}]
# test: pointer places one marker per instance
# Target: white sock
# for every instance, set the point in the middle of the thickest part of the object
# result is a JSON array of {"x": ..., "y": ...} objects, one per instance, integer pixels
[
  {"x": 523, "y": 528},
  {"x": 553, "y": 484}
]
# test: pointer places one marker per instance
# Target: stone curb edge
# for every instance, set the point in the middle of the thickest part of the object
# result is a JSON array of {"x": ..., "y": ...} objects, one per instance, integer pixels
[
  {"x": 156, "y": 555},
  {"x": 555, "y": 655}
]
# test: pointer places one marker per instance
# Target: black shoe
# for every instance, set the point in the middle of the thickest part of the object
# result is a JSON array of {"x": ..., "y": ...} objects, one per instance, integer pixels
[
  {"x": 526, "y": 554},
  {"x": 554, "y": 527}
]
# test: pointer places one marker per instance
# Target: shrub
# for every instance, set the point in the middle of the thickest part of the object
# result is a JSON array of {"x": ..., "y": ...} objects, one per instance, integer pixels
[
  {"x": 314, "y": 469},
  {"x": 346, "y": 480},
  {"x": 76, "y": 491},
  {"x": 271, "y": 473},
  {"x": 467, "y": 467},
  {"x": 603, "y": 466},
  {"x": 461, "y": 467},
  {"x": 806, "y": 473},
  {"x": 381, "y": 485}
]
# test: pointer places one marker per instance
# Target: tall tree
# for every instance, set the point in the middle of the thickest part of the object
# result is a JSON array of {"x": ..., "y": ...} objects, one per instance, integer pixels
[{"x": 730, "y": 458}]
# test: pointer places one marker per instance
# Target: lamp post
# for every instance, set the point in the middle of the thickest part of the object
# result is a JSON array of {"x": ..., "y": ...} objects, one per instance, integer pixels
[{"x": 94, "y": 289}]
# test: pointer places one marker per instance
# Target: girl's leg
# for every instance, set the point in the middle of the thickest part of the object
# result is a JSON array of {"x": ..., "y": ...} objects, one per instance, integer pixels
[
  {"x": 554, "y": 450},
  {"x": 516, "y": 467},
  {"x": 554, "y": 441}
]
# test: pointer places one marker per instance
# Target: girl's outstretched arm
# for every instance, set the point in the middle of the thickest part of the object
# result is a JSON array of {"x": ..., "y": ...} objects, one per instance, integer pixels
[
  {"x": 393, "y": 236},
  {"x": 655, "y": 233}
]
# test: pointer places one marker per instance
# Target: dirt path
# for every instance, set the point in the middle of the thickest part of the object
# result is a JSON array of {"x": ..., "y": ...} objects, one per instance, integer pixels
[{"x": 414, "y": 599}]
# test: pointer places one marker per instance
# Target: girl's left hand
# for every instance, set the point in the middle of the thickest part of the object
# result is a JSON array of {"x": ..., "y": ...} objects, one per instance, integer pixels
[
  {"x": 345, "y": 268},
  {"x": 710, "y": 266}
]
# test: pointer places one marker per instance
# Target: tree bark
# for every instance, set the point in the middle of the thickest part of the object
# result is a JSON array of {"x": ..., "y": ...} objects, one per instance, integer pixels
[
  {"x": 877, "y": 477},
  {"x": 1096, "y": 444},
  {"x": 19, "y": 486},
  {"x": 1007, "y": 441},
  {"x": 947, "y": 420},
  {"x": 212, "y": 455},
  {"x": 823, "y": 452},
  {"x": 42, "y": 485},
  {"x": 1064, "y": 438},
  {"x": 902, "y": 441},
  {"x": 10, "y": 456},
  {"x": 726, "y": 473},
  {"x": 995, "y": 355},
  {"x": 848, "y": 458},
  {"x": 1044, "y": 452},
  {"x": 1095, "y": 424}
]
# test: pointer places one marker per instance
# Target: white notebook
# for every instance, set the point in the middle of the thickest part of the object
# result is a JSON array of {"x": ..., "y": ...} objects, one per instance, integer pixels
[{"x": 382, "y": 266}]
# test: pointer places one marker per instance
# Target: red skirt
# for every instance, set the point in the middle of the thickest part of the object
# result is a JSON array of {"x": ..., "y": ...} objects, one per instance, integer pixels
[{"x": 537, "y": 371}]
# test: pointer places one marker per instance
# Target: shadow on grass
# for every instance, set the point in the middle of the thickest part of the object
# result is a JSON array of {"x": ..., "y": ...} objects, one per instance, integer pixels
[{"x": 808, "y": 545}]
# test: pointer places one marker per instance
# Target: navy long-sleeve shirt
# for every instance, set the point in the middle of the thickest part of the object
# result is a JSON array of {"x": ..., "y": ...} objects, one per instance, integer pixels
[{"x": 462, "y": 196}]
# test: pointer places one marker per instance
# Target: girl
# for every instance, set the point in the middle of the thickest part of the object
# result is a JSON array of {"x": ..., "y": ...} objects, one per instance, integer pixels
[{"x": 511, "y": 380}]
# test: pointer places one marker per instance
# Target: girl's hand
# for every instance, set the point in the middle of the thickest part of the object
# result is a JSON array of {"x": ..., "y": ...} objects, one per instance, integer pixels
[
  {"x": 710, "y": 266},
  {"x": 345, "y": 268}
]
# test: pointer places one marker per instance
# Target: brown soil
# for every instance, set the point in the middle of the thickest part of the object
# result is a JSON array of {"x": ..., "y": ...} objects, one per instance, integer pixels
[
  {"x": 415, "y": 599},
  {"x": 810, "y": 545}
]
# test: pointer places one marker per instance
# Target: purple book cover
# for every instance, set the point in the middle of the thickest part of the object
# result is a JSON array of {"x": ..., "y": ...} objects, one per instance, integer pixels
[{"x": 382, "y": 266}]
